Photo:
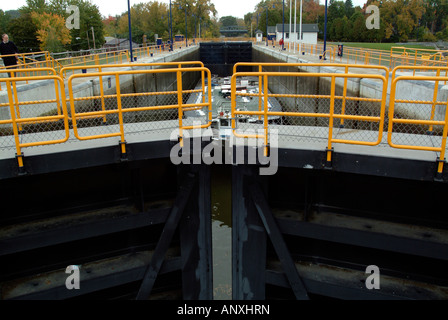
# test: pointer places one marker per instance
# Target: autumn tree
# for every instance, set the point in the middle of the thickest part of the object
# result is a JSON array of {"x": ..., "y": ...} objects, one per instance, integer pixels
[
  {"x": 24, "y": 33},
  {"x": 311, "y": 11},
  {"x": 51, "y": 31},
  {"x": 401, "y": 17},
  {"x": 89, "y": 17}
]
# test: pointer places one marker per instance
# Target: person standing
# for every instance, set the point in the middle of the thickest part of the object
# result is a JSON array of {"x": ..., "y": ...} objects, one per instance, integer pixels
[{"x": 7, "y": 48}]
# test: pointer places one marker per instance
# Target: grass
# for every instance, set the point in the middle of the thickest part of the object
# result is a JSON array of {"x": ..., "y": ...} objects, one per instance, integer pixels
[{"x": 380, "y": 46}]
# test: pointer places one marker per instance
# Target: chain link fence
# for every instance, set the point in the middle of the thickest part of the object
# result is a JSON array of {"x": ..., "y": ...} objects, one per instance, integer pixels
[{"x": 303, "y": 104}]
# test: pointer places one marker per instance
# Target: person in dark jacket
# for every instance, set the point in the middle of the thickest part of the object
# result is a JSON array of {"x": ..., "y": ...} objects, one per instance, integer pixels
[{"x": 6, "y": 48}]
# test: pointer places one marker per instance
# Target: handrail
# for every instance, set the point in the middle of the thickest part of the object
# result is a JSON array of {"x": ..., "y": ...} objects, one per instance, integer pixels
[
  {"x": 16, "y": 121},
  {"x": 330, "y": 115},
  {"x": 436, "y": 84},
  {"x": 379, "y": 119},
  {"x": 15, "y": 71},
  {"x": 127, "y": 65},
  {"x": 346, "y": 67},
  {"x": 431, "y": 122},
  {"x": 120, "y": 111}
]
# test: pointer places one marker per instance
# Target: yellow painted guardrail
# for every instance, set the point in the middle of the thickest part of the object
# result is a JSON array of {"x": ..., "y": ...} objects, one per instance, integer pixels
[
  {"x": 418, "y": 57},
  {"x": 438, "y": 71},
  {"x": 431, "y": 122},
  {"x": 18, "y": 104},
  {"x": 63, "y": 72},
  {"x": 180, "y": 106},
  {"x": 62, "y": 103},
  {"x": 101, "y": 68},
  {"x": 346, "y": 67},
  {"x": 331, "y": 115},
  {"x": 16, "y": 121},
  {"x": 28, "y": 72},
  {"x": 263, "y": 113}
]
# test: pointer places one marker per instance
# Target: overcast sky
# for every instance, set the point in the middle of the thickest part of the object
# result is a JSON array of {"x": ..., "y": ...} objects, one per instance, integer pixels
[{"x": 236, "y": 8}]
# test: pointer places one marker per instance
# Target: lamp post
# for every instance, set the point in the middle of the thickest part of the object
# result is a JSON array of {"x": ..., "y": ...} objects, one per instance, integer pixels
[
  {"x": 267, "y": 27},
  {"x": 171, "y": 30},
  {"x": 273, "y": 6},
  {"x": 130, "y": 31},
  {"x": 300, "y": 31},
  {"x": 186, "y": 30},
  {"x": 295, "y": 25},
  {"x": 290, "y": 27},
  {"x": 195, "y": 24},
  {"x": 186, "y": 41},
  {"x": 283, "y": 29},
  {"x": 325, "y": 31}
]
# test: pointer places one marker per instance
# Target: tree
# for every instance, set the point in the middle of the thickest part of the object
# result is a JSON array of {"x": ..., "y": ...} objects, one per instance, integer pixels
[
  {"x": 4, "y": 22},
  {"x": 228, "y": 21},
  {"x": 311, "y": 11},
  {"x": 39, "y": 6},
  {"x": 335, "y": 10},
  {"x": 51, "y": 31},
  {"x": 23, "y": 32},
  {"x": 349, "y": 9},
  {"x": 90, "y": 17},
  {"x": 401, "y": 17}
]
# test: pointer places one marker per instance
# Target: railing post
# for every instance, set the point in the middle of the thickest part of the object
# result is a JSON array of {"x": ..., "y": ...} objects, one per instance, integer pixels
[
  {"x": 344, "y": 98},
  {"x": 265, "y": 111},
  {"x": 441, "y": 159},
  {"x": 329, "y": 149},
  {"x": 180, "y": 102},
  {"x": 260, "y": 90},
  {"x": 120, "y": 117},
  {"x": 19, "y": 154},
  {"x": 434, "y": 101}
]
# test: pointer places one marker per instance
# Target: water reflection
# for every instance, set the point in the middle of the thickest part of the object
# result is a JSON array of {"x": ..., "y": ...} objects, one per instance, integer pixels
[{"x": 222, "y": 232}]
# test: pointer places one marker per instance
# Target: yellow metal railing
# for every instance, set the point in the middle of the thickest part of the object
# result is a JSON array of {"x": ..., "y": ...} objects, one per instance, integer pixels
[
  {"x": 64, "y": 71},
  {"x": 100, "y": 69},
  {"x": 28, "y": 61},
  {"x": 393, "y": 119},
  {"x": 27, "y": 72},
  {"x": 396, "y": 56},
  {"x": 42, "y": 117},
  {"x": 180, "y": 106},
  {"x": 347, "y": 67},
  {"x": 438, "y": 73},
  {"x": 16, "y": 101},
  {"x": 330, "y": 115},
  {"x": 16, "y": 120}
]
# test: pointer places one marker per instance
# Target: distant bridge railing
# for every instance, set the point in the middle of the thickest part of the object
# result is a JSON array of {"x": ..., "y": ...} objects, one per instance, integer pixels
[
  {"x": 44, "y": 59},
  {"x": 396, "y": 56}
]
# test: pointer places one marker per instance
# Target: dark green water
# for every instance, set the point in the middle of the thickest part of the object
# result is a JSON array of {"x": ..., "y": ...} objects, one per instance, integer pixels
[{"x": 221, "y": 200}]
